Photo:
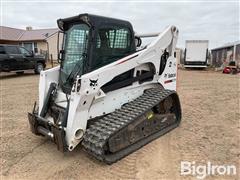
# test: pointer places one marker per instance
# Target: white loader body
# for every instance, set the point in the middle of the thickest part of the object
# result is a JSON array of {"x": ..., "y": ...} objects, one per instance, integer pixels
[{"x": 89, "y": 101}]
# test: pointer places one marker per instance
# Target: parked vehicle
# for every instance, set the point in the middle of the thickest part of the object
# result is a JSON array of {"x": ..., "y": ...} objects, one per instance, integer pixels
[
  {"x": 196, "y": 53},
  {"x": 232, "y": 68},
  {"x": 17, "y": 59},
  {"x": 106, "y": 95}
]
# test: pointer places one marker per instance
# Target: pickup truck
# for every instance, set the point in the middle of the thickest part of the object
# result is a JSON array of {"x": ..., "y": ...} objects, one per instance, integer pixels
[{"x": 17, "y": 59}]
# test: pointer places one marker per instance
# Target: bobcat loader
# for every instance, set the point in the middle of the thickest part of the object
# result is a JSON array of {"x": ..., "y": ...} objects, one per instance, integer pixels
[{"x": 108, "y": 94}]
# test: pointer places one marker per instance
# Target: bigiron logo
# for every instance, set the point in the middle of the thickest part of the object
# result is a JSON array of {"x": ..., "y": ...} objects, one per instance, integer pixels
[{"x": 202, "y": 171}]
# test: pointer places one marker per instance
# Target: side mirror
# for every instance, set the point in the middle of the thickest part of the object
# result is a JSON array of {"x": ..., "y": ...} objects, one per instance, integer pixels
[
  {"x": 28, "y": 54},
  {"x": 61, "y": 52},
  {"x": 60, "y": 55},
  {"x": 138, "y": 41}
]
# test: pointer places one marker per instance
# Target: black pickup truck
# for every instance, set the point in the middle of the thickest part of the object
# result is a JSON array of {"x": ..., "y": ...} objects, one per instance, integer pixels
[{"x": 17, "y": 59}]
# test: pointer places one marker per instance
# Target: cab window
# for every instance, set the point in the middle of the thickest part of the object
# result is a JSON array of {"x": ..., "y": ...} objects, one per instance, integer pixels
[
  {"x": 12, "y": 50},
  {"x": 24, "y": 51},
  {"x": 112, "y": 44},
  {"x": 2, "y": 50}
]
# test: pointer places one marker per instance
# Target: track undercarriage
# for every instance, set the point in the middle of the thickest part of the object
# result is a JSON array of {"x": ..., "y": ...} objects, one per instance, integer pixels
[{"x": 137, "y": 123}]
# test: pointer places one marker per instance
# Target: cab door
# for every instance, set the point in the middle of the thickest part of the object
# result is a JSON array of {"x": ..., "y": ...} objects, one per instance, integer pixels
[{"x": 28, "y": 57}]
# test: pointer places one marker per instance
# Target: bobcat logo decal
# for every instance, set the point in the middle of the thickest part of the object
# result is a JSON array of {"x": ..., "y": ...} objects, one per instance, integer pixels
[{"x": 93, "y": 83}]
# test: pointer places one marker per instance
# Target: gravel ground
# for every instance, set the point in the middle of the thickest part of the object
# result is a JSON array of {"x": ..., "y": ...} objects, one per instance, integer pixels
[{"x": 209, "y": 132}]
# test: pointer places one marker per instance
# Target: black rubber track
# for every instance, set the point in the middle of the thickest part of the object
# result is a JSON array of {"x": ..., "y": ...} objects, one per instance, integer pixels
[{"x": 96, "y": 138}]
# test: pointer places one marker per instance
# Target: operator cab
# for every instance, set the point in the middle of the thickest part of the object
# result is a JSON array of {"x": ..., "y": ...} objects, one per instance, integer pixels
[{"x": 91, "y": 42}]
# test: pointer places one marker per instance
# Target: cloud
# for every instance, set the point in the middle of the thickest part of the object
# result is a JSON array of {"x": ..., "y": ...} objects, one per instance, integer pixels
[{"x": 217, "y": 22}]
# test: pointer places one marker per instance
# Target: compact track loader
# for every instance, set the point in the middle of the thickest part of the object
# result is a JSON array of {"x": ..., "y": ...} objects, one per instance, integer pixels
[{"x": 109, "y": 93}]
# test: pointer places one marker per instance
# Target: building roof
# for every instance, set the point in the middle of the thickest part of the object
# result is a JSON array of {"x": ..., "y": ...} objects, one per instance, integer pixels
[
  {"x": 11, "y": 34},
  {"x": 14, "y": 34},
  {"x": 226, "y": 45}
]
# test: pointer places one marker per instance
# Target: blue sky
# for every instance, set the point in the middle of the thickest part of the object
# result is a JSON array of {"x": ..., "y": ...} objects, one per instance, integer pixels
[{"x": 216, "y": 21}]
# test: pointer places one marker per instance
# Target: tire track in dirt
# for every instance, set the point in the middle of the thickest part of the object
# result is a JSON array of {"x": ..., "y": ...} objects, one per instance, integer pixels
[
  {"x": 26, "y": 154},
  {"x": 156, "y": 159},
  {"x": 123, "y": 169}
]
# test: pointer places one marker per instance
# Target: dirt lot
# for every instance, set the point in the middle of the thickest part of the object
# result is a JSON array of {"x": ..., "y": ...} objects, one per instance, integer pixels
[{"x": 209, "y": 132}]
